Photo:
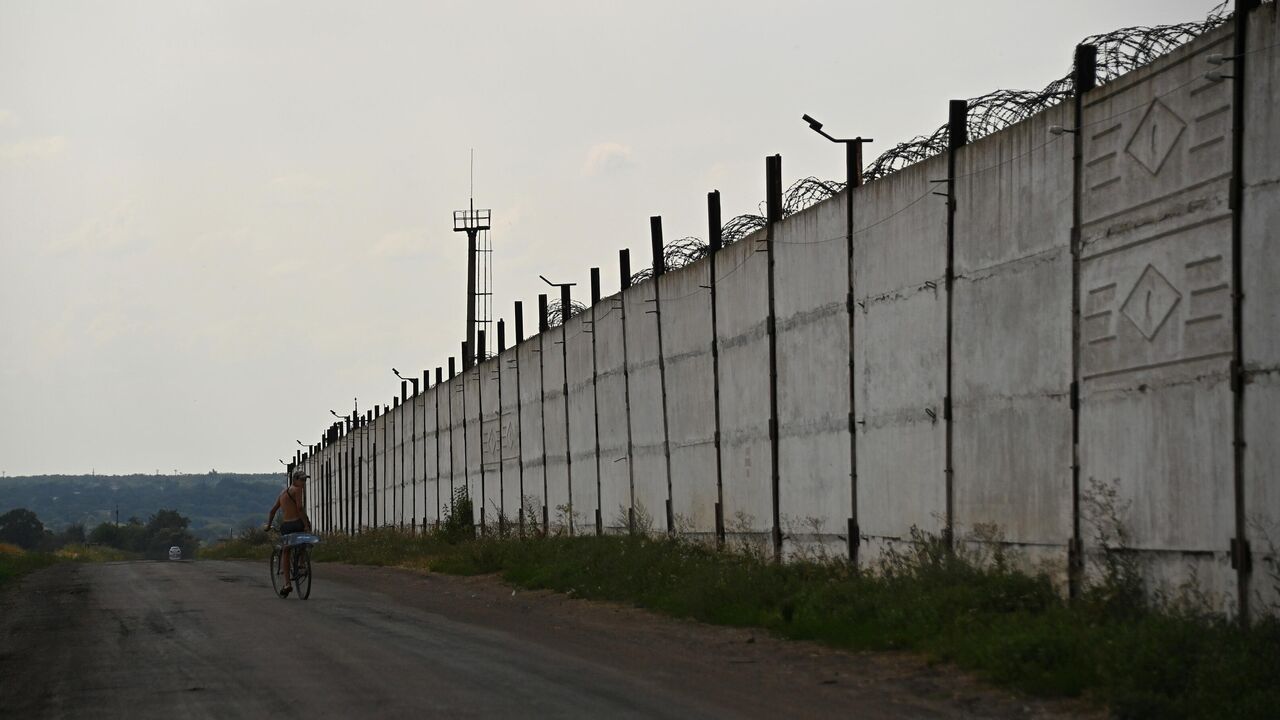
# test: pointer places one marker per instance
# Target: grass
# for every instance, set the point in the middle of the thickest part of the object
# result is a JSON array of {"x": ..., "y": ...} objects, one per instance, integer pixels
[
  {"x": 16, "y": 562},
  {"x": 1014, "y": 629}
]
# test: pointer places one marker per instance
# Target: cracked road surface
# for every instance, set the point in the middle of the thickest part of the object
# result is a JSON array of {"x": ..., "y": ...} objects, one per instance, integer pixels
[{"x": 209, "y": 639}]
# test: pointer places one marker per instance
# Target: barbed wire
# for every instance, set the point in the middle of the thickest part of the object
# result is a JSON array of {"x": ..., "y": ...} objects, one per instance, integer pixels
[
  {"x": 1119, "y": 51},
  {"x": 555, "y": 312},
  {"x": 676, "y": 254}
]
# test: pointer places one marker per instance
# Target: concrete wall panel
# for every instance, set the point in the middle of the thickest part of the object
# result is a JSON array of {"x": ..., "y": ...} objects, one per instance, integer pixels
[
  {"x": 648, "y": 457},
  {"x": 532, "y": 407},
  {"x": 1156, "y": 345},
  {"x": 554, "y": 413},
  {"x": 1012, "y": 338},
  {"x": 490, "y": 443},
  {"x": 615, "y": 484},
  {"x": 582, "y": 423},
  {"x": 900, "y": 349},
  {"x": 742, "y": 309},
  {"x": 813, "y": 374},
  {"x": 474, "y": 439},
  {"x": 1260, "y": 333},
  {"x": 457, "y": 437},
  {"x": 509, "y": 441},
  {"x": 431, "y": 497},
  {"x": 686, "y": 345}
]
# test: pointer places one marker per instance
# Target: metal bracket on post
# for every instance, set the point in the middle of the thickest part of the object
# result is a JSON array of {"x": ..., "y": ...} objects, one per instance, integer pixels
[
  {"x": 1241, "y": 555},
  {"x": 853, "y": 538}
]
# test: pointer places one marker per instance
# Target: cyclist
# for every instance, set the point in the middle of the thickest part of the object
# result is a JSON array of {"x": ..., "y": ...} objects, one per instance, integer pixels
[{"x": 293, "y": 518}]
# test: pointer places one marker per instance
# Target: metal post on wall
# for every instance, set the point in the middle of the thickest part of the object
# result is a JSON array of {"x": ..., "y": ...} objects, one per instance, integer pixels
[
  {"x": 480, "y": 416},
  {"x": 340, "y": 467},
  {"x": 519, "y": 310},
  {"x": 853, "y": 179},
  {"x": 404, "y": 400},
  {"x": 542, "y": 399},
  {"x": 373, "y": 481},
  {"x": 453, "y": 462},
  {"x": 439, "y": 384},
  {"x": 413, "y": 457},
  {"x": 773, "y": 205},
  {"x": 344, "y": 476},
  {"x": 466, "y": 441},
  {"x": 660, "y": 269},
  {"x": 715, "y": 239},
  {"x": 350, "y": 485},
  {"x": 1241, "y": 556},
  {"x": 364, "y": 455},
  {"x": 566, "y": 307},
  {"x": 339, "y": 463},
  {"x": 957, "y": 137},
  {"x": 502, "y": 486},
  {"x": 624, "y": 273},
  {"x": 595, "y": 394},
  {"x": 398, "y": 498},
  {"x": 1085, "y": 78},
  {"x": 426, "y": 385}
]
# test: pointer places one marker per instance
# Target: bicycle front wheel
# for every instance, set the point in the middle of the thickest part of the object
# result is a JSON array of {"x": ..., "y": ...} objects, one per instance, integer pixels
[
  {"x": 302, "y": 571},
  {"x": 275, "y": 571}
]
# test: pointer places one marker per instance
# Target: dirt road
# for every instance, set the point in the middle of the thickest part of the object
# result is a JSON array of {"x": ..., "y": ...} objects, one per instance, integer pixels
[{"x": 209, "y": 639}]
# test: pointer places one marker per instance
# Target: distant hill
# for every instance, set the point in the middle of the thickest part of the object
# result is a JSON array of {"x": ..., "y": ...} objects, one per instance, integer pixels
[{"x": 217, "y": 503}]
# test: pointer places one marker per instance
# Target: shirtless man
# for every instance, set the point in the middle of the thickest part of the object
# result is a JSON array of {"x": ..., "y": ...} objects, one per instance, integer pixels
[{"x": 293, "y": 518}]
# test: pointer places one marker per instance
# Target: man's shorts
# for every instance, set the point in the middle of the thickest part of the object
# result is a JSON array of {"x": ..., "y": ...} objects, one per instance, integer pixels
[{"x": 292, "y": 526}]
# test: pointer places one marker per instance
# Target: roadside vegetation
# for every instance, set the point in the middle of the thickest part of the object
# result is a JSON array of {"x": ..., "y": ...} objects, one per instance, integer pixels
[
  {"x": 27, "y": 545},
  {"x": 1114, "y": 645}
]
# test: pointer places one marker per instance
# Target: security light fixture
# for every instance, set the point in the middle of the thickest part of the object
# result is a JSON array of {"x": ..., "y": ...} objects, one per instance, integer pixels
[{"x": 1059, "y": 130}]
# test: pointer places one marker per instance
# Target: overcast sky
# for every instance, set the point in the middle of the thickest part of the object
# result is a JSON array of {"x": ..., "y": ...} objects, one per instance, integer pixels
[{"x": 219, "y": 220}]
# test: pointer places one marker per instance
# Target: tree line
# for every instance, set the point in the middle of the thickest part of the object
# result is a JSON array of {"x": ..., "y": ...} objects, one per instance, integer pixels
[{"x": 151, "y": 539}]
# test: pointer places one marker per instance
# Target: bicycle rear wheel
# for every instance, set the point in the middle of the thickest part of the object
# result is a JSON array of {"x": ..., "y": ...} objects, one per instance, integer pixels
[
  {"x": 302, "y": 571},
  {"x": 275, "y": 570}
]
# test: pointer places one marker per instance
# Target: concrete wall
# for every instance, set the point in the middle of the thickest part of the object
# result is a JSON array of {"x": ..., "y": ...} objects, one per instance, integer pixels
[
  {"x": 554, "y": 417},
  {"x": 743, "y": 309},
  {"x": 1156, "y": 420},
  {"x": 813, "y": 375},
  {"x": 1012, "y": 338},
  {"x": 490, "y": 497},
  {"x": 900, "y": 354},
  {"x": 648, "y": 439},
  {"x": 615, "y": 484},
  {"x": 686, "y": 348},
  {"x": 532, "y": 439},
  {"x": 582, "y": 423},
  {"x": 509, "y": 441},
  {"x": 1261, "y": 307},
  {"x": 432, "y": 498}
]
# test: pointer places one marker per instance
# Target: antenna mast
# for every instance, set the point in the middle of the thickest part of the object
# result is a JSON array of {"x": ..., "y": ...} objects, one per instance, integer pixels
[{"x": 476, "y": 223}]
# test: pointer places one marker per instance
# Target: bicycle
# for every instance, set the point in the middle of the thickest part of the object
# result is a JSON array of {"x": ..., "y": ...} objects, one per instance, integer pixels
[{"x": 299, "y": 558}]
